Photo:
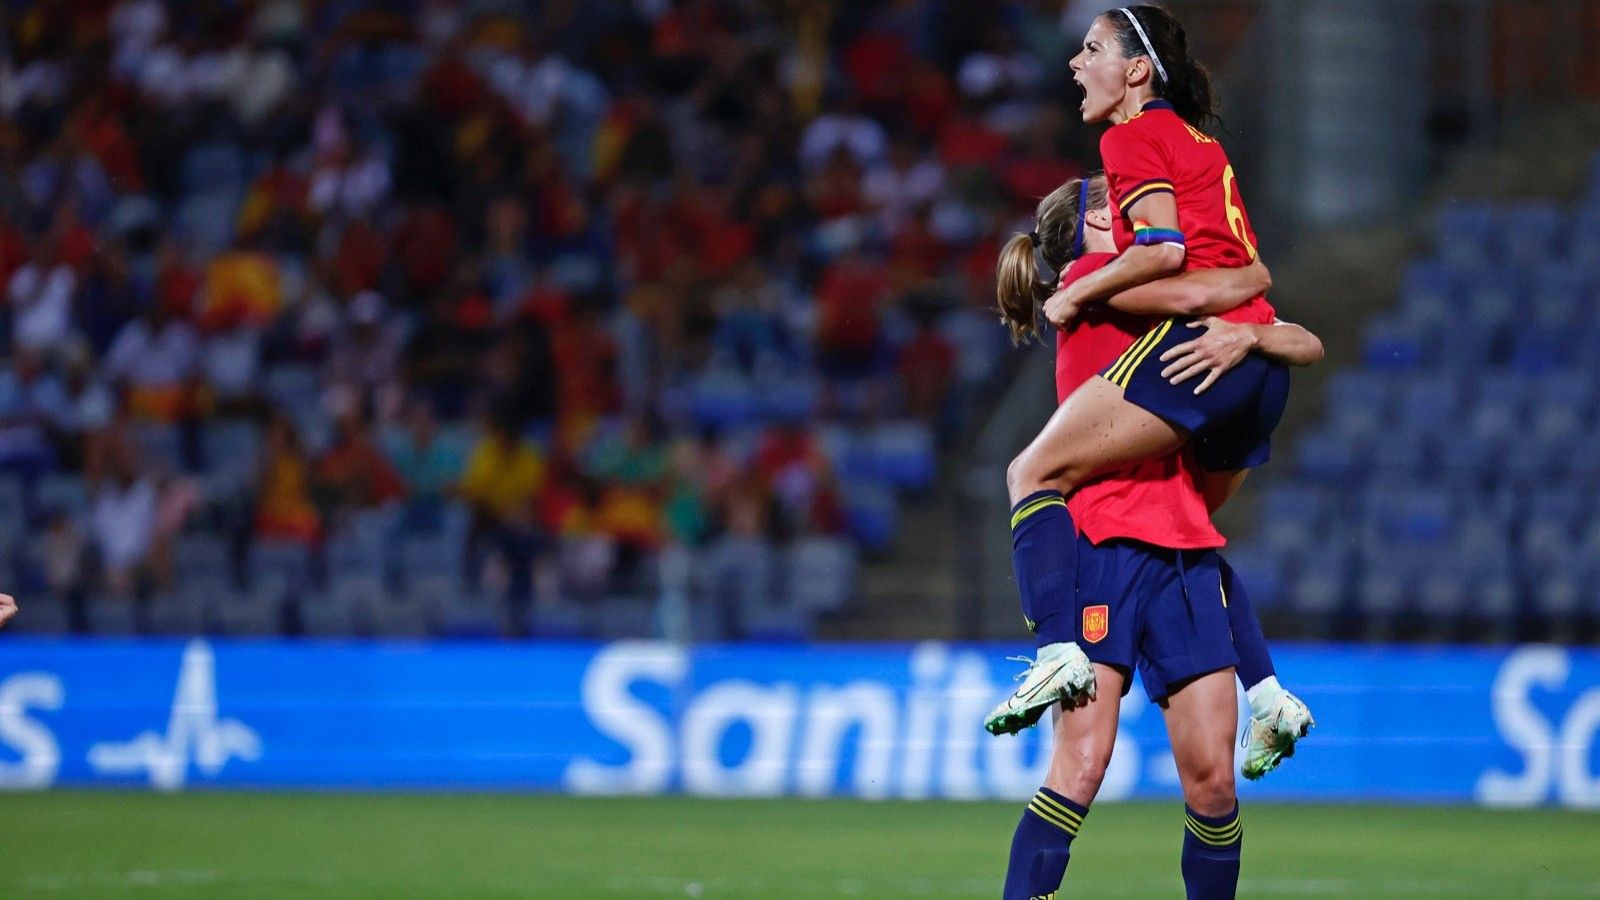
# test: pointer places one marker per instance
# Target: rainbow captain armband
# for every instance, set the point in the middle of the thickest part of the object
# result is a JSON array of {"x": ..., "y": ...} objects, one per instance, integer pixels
[{"x": 1144, "y": 235}]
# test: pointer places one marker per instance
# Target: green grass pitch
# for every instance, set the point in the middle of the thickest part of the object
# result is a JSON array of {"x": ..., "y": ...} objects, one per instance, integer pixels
[{"x": 358, "y": 846}]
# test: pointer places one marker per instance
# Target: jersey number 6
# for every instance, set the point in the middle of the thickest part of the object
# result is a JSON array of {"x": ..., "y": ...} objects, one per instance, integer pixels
[{"x": 1235, "y": 214}]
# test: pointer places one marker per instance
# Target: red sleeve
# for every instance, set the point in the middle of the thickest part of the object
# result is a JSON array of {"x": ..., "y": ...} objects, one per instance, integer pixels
[
  {"x": 1135, "y": 165},
  {"x": 1083, "y": 265}
]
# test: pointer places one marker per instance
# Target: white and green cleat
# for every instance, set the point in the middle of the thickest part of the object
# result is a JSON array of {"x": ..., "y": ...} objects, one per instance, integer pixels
[
  {"x": 1271, "y": 734},
  {"x": 1062, "y": 673}
]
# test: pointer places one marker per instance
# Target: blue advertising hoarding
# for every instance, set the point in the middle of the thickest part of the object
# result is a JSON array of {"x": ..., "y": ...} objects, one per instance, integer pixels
[{"x": 1505, "y": 726}]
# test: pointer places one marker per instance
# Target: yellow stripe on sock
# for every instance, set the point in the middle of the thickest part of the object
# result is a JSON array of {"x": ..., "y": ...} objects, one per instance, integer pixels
[
  {"x": 1212, "y": 829},
  {"x": 1160, "y": 332},
  {"x": 1033, "y": 507},
  {"x": 1053, "y": 819},
  {"x": 1216, "y": 836},
  {"x": 1051, "y": 802}
]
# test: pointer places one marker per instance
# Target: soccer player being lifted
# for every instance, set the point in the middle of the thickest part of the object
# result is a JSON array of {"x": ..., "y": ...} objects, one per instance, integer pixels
[
  {"x": 1129, "y": 570},
  {"x": 1169, "y": 174}
]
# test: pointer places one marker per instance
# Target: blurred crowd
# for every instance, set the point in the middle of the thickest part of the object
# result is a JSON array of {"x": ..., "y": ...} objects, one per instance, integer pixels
[{"x": 566, "y": 282}]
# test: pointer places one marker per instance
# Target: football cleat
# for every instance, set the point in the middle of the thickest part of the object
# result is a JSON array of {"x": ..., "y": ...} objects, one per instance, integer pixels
[
  {"x": 1269, "y": 739},
  {"x": 1062, "y": 673}
]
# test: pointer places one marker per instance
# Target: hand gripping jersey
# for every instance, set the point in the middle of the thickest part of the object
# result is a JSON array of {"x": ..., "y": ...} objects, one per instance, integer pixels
[
  {"x": 1157, "y": 152},
  {"x": 1157, "y": 501}
]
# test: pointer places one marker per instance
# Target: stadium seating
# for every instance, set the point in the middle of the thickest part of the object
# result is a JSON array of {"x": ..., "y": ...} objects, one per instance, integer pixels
[
  {"x": 1471, "y": 424},
  {"x": 283, "y": 228}
]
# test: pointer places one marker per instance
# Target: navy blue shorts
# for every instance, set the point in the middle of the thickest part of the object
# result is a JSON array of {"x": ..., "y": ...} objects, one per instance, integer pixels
[
  {"x": 1154, "y": 609},
  {"x": 1231, "y": 423}
]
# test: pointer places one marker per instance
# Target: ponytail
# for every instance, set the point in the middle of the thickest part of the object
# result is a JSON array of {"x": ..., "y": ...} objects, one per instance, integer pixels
[
  {"x": 1058, "y": 237},
  {"x": 1177, "y": 77},
  {"x": 1018, "y": 288}
]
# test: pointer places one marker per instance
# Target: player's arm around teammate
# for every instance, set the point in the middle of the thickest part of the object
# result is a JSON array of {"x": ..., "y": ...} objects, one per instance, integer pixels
[
  {"x": 1197, "y": 292},
  {"x": 8, "y": 608},
  {"x": 1225, "y": 344}
]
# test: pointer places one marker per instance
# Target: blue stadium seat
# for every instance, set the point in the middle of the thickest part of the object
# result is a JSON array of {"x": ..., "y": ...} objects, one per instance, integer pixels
[
  {"x": 66, "y": 493},
  {"x": 1355, "y": 395},
  {"x": 571, "y": 620},
  {"x": 457, "y": 612},
  {"x": 1262, "y": 573},
  {"x": 400, "y": 615},
  {"x": 853, "y": 456},
  {"x": 115, "y": 616},
  {"x": 1532, "y": 461},
  {"x": 1465, "y": 231},
  {"x": 202, "y": 556},
  {"x": 721, "y": 400},
  {"x": 1503, "y": 400},
  {"x": 903, "y": 454},
  {"x": 162, "y": 445},
  {"x": 1489, "y": 309},
  {"x": 1544, "y": 544},
  {"x": 206, "y": 221},
  {"x": 873, "y": 513},
  {"x": 1531, "y": 231},
  {"x": 820, "y": 573},
  {"x": 1496, "y": 599},
  {"x": 1330, "y": 456},
  {"x": 1562, "y": 592},
  {"x": 44, "y": 616},
  {"x": 1384, "y": 590},
  {"x": 1393, "y": 344},
  {"x": 1582, "y": 461},
  {"x": 1466, "y": 349},
  {"x": 285, "y": 565},
  {"x": 1430, "y": 404},
  {"x": 1568, "y": 388},
  {"x": 1441, "y": 595},
  {"x": 1321, "y": 587},
  {"x": 779, "y": 624},
  {"x": 430, "y": 556},
  {"x": 1415, "y": 515},
  {"x": 1292, "y": 518},
  {"x": 1567, "y": 509},
  {"x": 1433, "y": 279},
  {"x": 791, "y": 400},
  {"x": 215, "y": 167},
  {"x": 1539, "y": 349},
  {"x": 176, "y": 614},
  {"x": 231, "y": 445},
  {"x": 293, "y": 387},
  {"x": 1404, "y": 451},
  {"x": 323, "y": 616}
]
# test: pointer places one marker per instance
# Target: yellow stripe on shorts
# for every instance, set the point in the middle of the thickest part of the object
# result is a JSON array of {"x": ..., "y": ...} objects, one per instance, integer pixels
[{"x": 1126, "y": 375}]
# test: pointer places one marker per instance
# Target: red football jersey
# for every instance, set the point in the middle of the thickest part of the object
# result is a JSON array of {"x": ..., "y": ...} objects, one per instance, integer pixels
[
  {"x": 1156, "y": 152},
  {"x": 1157, "y": 501}
]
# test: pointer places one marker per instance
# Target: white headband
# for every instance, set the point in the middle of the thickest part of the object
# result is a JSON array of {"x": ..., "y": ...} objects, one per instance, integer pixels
[{"x": 1145, "y": 39}]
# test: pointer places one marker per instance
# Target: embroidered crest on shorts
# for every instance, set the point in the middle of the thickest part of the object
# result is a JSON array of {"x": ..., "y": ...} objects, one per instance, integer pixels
[{"x": 1096, "y": 622}]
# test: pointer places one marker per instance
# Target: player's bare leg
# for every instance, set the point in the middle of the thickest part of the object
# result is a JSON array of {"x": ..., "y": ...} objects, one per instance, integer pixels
[
  {"x": 1201, "y": 720},
  {"x": 1084, "y": 738},
  {"x": 1095, "y": 429}
]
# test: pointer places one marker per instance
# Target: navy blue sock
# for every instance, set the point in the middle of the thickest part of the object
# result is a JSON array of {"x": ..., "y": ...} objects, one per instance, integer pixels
[
  {"x": 1042, "y": 845},
  {"x": 1044, "y": 555},
  {"x": 1255, "y": 660},
  {"x": 1211, "y": 846}
]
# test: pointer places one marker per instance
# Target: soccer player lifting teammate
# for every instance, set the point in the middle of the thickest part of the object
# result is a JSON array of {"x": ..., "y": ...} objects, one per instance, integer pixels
[
  {"x": 1144, "y": 582},
  {"x": 1175, "y": 207},
  {"x": 1149, "y": 582}
]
